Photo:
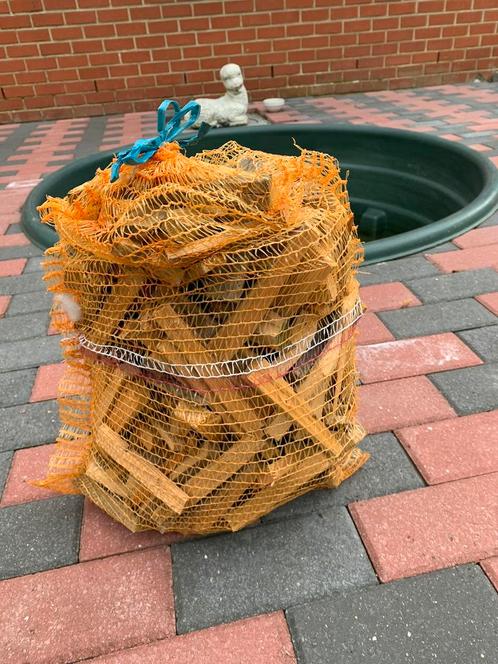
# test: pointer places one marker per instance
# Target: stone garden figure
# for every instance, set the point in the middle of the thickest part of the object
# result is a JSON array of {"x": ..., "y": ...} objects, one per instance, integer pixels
[{"x": 231, "y": 109}]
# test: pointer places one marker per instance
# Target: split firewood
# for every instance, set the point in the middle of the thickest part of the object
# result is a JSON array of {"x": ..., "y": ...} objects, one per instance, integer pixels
[
  {"x": 270, "y": 497},
  {"x": 118, "y": 509},
  {"x": 192, "y": 459},
  {"x": 100, "y": 471},
  {"x": 130, "y": 400},
  {"x": 219, "y": 470},
  {"x": 114, "y": 308},
  {"x": 312, "y": 390},
  {"x": 282, "y": 394},
  {"x": 157, "y": 483},
  {"x": 211, "y": 288}
]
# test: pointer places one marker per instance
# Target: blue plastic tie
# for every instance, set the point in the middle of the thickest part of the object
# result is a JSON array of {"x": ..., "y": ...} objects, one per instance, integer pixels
[{"x": 143, "y": 149}]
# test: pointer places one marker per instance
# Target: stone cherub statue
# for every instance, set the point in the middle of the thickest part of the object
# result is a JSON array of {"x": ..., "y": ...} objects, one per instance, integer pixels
[{"x": 231, "y": 109}]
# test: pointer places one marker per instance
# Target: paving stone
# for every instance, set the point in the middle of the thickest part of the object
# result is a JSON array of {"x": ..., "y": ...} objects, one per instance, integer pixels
[
  {"x": 30, "y": 353},
  {"x": 471, "y": 390},
  {"x": 24, "y": 326},
  {"x": 28, "y": 303},
  {"x": 28, "y": 464},
  {"x": 259, "y": 640},
  {"x": 371, "y": 330},
  {"x": 4, "y": 303},
  {"x": 28, "y": 425},
  {"x": 455, "y": 286},
  {"x": 34, "y": 264},
  {"x": 24, "y": 283},
  {"x": 399, "y": 403},
  {"x": 490, "y": 301},
  {"x": 439, "y": 317},
  {"x": 466, "y": 259},
  {"x": 438, "y": 526},
  {"x": 445, "y": 246},
  {"x": 389, "y": 470},
  {"x": 15, "y": 386},
  {"x": 413, "y": 357},
  {"x": 14, "y": 229},
  {"x": 484, "y": 341},
  {"x": 490, "y": 566},
  {"x": 398, "y": 270},
  {"x": 40, "y": 535},
  {"x": 478, "y": 237},
  {"x": 268, "y": 567},
  {"x": 101, "y": 536},
  {"x": 454, "y": 449},
  {"x": 11, "y": 268},
  {"x": 13, "y": 240},
  {"x": 490, "y": 221},
  {"x": 47, "y": 381},
  {"x": 448, "y": 617},
  {"x": 21, "y": 251},
  {"x": 87, "y": 610},
  {"x": 5, "y": 462},
  {"x": 387, "y": 296}
]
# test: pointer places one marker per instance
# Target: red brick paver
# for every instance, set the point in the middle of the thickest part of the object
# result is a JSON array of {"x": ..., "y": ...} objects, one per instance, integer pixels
[
  {"x": 4, "y": 303},
  {"x": 261, "y": 640},
  {"x": 425, "y": 529},
  {"x": 14, "y": 240},
  {"x": 479, "y": 237},
  {"x": 490, "y": 566},
  {"x": 382, "y": 297},
  {"x": 88, "y": 609},
  {"x": 466, "y": 259},
  {"x": 399, "y": 403},
  {"x": 28, "y": 464},
  {"x": 46, "y": 382},
  {"x": 454, "y": 449},
  {"x": 371, "y": 330},
  {"x": 413, "y": 357},
  {"x": 13, "y": 267},
  {"x": 489, "y": 300},
  {"x": 102, "y": 536}
]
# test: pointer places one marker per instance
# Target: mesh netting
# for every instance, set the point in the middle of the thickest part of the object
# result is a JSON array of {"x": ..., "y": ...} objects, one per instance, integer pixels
[{"x": 210, "y": 362}]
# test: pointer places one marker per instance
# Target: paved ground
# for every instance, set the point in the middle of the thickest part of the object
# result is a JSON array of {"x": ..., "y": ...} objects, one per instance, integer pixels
[{"x": 397, "y": 565}]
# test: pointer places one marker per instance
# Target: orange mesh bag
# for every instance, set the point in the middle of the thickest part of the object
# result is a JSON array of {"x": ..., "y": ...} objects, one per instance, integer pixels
[{"x": 210, "y": 347}]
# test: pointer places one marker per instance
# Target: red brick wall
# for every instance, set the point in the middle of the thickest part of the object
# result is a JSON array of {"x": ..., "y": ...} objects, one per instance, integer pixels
[{"x": 61, "y": 58}]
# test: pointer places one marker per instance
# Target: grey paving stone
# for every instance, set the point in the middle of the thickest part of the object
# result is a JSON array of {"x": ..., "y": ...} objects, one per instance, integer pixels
[
  {"x": 14, "y": 228},
  {"x": 40, "y": 535},
  {"x": 454, "y": 286},
  {"x": 23, "y": 251},
  {"x": 470, "y": 390},
  {"x": 389, "y": 470},
  {"x": 15, "y": 387},
  {"x": 5, "y": 461},
  {"x": 29, "y": 353},
  {"x": 484, "y": 341},
  {"x": 268, "y": 567},
  {"x": 23, "y": 283},
  {"x": 25, "y": 303},
  {"x": 435, "y": 318},
  {"x": 28, "y": 425},
  {"x": 490, "y": 221},
  {"x": 446, "y": 246},
  {"x": 23, "y": 326},
  {"x": 448, "y": 616},
  {"x": 34, "y": 264},
  {"x": 398, "y": 270}
]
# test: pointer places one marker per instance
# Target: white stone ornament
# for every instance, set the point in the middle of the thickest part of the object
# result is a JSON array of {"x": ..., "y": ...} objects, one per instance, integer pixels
[{"x": 231, "y": 109}]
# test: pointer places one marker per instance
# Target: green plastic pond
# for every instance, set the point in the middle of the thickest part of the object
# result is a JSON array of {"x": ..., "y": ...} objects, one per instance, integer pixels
[{"x": 409, "y": 191}]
